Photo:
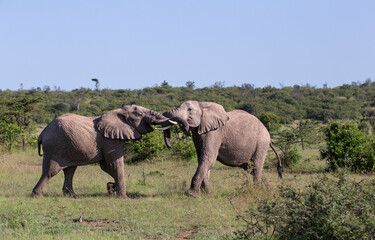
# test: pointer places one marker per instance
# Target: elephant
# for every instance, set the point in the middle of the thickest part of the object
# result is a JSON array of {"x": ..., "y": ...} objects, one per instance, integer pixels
[
  {"x": 233, "y": 138},
  {"x": 72, "y": 140}
]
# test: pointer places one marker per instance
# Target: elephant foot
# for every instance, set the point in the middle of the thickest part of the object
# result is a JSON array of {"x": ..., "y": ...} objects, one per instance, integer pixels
[
  {"x": 111, "y": 188},
  {"x": 36, "y": 195},
  {"x": 191, "y": 193},
  {"x": 205, "y": 190},
  {"x": 124, "y": 196}
]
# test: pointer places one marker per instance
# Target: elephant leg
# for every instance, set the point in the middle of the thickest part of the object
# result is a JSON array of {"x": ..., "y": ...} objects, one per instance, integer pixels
[
  {"x": 205, "y": 187},
  {"x": 68, "y": 182},
  {"x": 50, "y": 169},
  {"x": 198, "y": 179},
  {"x": 209, "y": 152},
  {"x": 111, "y": 187},
  {"x": 258, "y": 159},
  {"x": 118, "y": 166},
  {"x": 114, "y": 158}
]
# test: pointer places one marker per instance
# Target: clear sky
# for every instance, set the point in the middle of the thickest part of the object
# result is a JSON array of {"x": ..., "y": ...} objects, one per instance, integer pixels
[{"x": 137, "y": 44}]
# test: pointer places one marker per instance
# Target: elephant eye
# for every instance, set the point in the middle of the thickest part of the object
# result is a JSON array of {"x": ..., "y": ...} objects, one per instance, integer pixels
[
  {"x": 137, "y": 114},
  {"x": 189, "y": 109}
]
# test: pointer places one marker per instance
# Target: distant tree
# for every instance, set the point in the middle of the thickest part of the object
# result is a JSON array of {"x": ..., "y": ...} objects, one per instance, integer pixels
[
  {"x": 164, "y": 84},
  {"x": 97, "y": 84},
  {"x": 190, "y": 84},
  {"x": 306, "y": 132},
  {"x": 218, "y": 84}
]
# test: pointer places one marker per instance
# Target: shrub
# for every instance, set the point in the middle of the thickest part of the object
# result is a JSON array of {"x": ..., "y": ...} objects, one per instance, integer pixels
[
  {"x": 348, "y": 146},
  {"x": 183, "y": 146},
  {"x": 148, "y": 147},
  {"x": 152, "y": 146},
  {"x": 336, "y": 208},
  {"x": 270, "y": 120}
]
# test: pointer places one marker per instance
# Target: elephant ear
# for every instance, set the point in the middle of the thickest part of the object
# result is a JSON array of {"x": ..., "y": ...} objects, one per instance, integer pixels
[
  {"x": 113, "y": 125},
  {"x": 213, "y": 117}
]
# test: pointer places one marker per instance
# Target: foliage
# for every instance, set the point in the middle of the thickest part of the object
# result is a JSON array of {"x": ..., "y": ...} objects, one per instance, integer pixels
[
  {"x": 16, "y": 125},
  {"x": 182, "y": 145},
  {"x": 148, "y": 147},
  {"x": 151, "y": 146},
  {"x": 270, "y": 120},
  {"x": 348, "y": 146},
  {"x": 349, "y": 101},
  {"x": 328, "y": 208},
  {"x": 286, "y": 141}
]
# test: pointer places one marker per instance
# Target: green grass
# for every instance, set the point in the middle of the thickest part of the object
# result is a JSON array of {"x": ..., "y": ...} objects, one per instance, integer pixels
[{"x": 158, "y": 208}]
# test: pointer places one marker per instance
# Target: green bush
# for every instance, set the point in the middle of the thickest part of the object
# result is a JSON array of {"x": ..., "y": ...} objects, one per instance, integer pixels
[
  {"x": 290, "y": 156},
  {"x": 147, "y": 148},
  {"x": 348, "y": 146},
  {"x": 10, "y": 135},
  {"x": 183, "y": 146},
  {"x": 151, "y": 146},
  {"x": 329, "y": 208},
  {"x": 270, "y": 120}
]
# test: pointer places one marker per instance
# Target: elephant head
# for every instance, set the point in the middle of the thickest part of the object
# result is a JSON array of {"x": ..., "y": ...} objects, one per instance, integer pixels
[
  {"x": 129, "y": 122},
  {"x": 202, "y": 116}
]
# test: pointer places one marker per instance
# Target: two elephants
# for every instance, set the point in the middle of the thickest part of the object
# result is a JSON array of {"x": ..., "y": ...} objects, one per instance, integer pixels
[{"x": 234, "y": 138}]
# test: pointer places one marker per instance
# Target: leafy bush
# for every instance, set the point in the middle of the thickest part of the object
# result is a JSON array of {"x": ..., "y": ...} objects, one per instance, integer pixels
[
  {"x": 152, "y": 146},
  {"x": 148, "y": 147},
  {"x": 182, "y": 146},
  {"x": 336, "y": 208},
  {"x": 270, "y": 120},
  {"x": 348, "y": 146},
  {"x": 290, "y": 156},
  {"x": 10, "y": 135}
]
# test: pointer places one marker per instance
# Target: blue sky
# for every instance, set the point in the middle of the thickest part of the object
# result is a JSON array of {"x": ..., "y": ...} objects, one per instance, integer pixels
[{"x": 138, "y": 44}]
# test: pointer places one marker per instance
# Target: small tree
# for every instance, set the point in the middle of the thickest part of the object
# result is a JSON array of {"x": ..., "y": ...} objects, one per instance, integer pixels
[
  {"x": 16, "y": 123},
  {"x": 286, "y": 141},
  {"x": 190, "y": 84},
  {"x": 348, "y": 146},
  {"x": 97, "y": 84}
]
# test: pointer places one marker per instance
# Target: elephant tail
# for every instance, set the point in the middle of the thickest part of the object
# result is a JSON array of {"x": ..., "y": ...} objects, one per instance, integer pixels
[
  {"x": 279, "y": 165},
  {"x": 39, "y": 144}
]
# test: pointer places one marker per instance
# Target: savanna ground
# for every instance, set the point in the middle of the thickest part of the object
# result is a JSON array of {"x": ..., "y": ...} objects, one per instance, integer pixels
[{"x": 158, "y": 208}]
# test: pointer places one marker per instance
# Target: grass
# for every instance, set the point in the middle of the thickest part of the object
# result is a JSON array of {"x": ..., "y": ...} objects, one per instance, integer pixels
[{"x": 158, "y": 208}]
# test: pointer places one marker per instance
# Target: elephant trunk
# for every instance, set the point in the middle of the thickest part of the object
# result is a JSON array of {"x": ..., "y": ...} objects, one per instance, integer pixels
[
  {"x": 172, "y": 115},
  {"x": 157, "y": 118}
]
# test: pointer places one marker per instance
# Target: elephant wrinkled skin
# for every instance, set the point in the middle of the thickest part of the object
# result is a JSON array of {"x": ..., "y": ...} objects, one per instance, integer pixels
[
  {"x": 71, "y": 140},
  {"x": 234, "y": 138}
]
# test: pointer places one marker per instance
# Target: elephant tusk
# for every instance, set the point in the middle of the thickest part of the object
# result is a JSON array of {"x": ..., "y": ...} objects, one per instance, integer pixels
[
  {"x": 163, "y": 128},
  {"x": 173, "y": 122}
]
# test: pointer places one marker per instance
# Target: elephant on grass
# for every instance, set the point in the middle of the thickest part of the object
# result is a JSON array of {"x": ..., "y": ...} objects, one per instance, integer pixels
[
  {"x": 234, "y": 138},
  {"x": 71, "y": 140}
]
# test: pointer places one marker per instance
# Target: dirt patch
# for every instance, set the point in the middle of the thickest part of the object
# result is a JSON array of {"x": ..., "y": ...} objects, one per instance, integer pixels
[
  {"x": 186, "y": 233},
  {"x": 95, "y": 224}
]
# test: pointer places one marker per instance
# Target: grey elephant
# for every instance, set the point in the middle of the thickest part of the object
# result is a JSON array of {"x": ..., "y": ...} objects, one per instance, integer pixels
[
  {"x": 234, "y": 138},
  {"x": 72, "y": 140}
]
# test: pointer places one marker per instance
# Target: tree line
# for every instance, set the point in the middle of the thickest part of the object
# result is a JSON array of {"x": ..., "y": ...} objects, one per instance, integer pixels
[
  {"x": 349, "y": 101},
  {"x": 21, "y": 111}
]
